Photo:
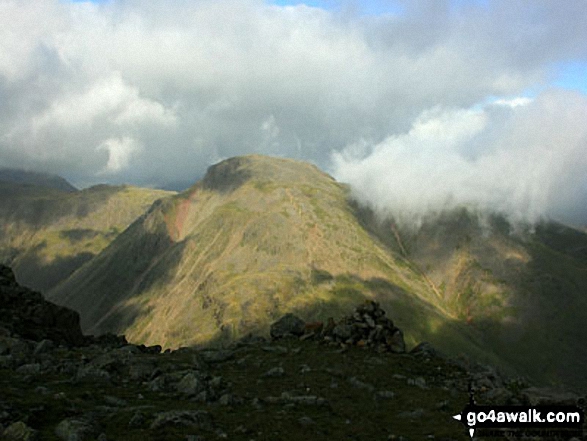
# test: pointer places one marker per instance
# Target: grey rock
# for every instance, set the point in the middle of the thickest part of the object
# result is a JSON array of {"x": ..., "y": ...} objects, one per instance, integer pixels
[
  {"x": 93, "y": 374},
  {"x": 396, "y": 342},
  {"x": 384, "y": 395},
  {"x": 114, "y": 401},
  {"x": 353, "y": 381},
  {"x": 544, "y": 396},
  {"x": 19, "y": 431},
  {"x": 6, "y": 361},
  {"x": 190, "y": 384},
  {"x": 343, "y": 331},
  {"x": 141, "y": 371},
  {"x": 160, "y": 384},
  {"x": 137, "y": 420},
  {"x": 216, "y": 382},
  {"x": 227, "y": 400},
  {"x": 73, "y": 429},
  {"x": 287, "y": 325},
  {"x": 306, "y": 421},
  {"x": 256, "y": 403},
  {"x": 42, "y": 390},
  {"x": 276, "y": 349},
  {"x": 109, "y": 362},
  {"x": 217, "y": 356},
  {"x": 203, "y": 397},
  {"x": 499, "y": 396},
  {"x": 289, "y": 399},
  {"x": 13, "y": 346},
  {"x": 425, "y": 350},
  {"x": 251, "y": 340},
  {"x": 275, "y": 372},
  {"x": 43, "y": 347},
  {"x": 182, "y": 418},
  {"x": 29, "y": 369},
  {"x": 305, "y": 369},
  {"x": 418, "y": 382},
  {"x": 413, "y": 415}
]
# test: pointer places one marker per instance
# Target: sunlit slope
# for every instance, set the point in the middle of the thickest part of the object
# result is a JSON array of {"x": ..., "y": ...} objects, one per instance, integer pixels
[
  {"x": 47, "y": 233},
  {"x": 522, "y": 291},
  {"x": 255, "y": 238}
]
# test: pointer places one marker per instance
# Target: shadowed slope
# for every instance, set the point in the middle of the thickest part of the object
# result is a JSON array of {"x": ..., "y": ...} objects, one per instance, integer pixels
[
  {"x": 48, "y": 233},
  {"x": 524, "y": 292},
  {"x": 44, "y": 180}
]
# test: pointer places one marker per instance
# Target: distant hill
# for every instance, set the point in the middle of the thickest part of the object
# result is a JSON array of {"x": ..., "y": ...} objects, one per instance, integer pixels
[
  {"x": 47, "y": 233},
  {"x": 44, "y": 180}
]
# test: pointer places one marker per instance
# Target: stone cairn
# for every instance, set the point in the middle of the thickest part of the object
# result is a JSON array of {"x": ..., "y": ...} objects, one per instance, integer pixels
[{"x": 366, "y": 327}]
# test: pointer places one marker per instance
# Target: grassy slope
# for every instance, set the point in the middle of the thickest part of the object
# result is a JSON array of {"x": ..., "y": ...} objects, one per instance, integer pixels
[{"x": 48, "y": 233}]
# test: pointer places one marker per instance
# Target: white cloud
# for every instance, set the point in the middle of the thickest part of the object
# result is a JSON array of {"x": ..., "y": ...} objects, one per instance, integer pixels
[
  {"x": 513, "y": 102},
  {"x": 191, "y": 82},
  {"x": 120, "y": 152},
  {"x": 522, "y": 165}
]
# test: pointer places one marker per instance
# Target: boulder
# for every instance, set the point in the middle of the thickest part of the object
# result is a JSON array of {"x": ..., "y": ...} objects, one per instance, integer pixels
[
  {"x": 76, "y": 429},
  {"x": 26, "y": 313},
  {"x": 19, "y": 431},
  {"x": 182, "y": 418},
  {"x": 547, "y": 396},
  {"x": 287, "y": 325}
]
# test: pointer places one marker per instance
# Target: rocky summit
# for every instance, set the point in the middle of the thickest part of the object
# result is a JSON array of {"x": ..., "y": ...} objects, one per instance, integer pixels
[{"x": 345, "y": 379}]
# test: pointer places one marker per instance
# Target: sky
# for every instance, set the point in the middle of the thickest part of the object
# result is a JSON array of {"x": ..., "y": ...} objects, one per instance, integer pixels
[{"x": 419, "y": 105}]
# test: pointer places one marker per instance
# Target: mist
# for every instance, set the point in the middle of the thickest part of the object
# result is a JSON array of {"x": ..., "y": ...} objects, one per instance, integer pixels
[
  {"x": 431, "y": 106},
  {"x": 525, "y": 159}
]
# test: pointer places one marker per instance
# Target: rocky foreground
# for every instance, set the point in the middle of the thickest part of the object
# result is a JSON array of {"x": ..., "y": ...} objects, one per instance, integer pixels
[{"x": 346, "y": 380}]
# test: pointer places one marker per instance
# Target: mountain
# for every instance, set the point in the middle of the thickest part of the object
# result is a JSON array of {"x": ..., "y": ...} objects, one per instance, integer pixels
[
  {"x": 259, "y": 237},
  {"x": 45, "y": 180},
  {"x": 47, "y": 233},
  {"x": 256, "y": 238}
]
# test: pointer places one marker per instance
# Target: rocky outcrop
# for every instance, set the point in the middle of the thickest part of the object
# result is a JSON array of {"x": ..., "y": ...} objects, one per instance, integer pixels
[
  {"x": 322, "y": 384},
  {"x": 366, "y": 327},
  {"x": 27, "y": 314}
]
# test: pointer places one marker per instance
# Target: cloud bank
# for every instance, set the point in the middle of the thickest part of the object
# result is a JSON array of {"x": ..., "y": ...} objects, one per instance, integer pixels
[
  {"x": 152, "y": 93},
  {"x": 525, "y": 159}
]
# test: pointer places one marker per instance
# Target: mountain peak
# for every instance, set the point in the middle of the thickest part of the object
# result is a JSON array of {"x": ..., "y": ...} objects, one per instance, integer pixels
[
  {"x": 228, "y": 175},
  {"x": 36, "y": 178}
]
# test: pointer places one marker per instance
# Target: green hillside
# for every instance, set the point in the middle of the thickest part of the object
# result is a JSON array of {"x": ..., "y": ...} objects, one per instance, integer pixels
[{"x": 48, "y": 233}]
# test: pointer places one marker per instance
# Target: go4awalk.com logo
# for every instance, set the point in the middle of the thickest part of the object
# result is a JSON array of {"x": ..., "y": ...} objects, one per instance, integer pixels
[{"x": 566, "y": 421}]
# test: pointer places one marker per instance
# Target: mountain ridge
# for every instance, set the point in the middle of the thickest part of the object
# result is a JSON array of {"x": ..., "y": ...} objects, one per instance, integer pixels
[
  {"x": 39, "y": 179},
  {"x": 258, "y": 237}
]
